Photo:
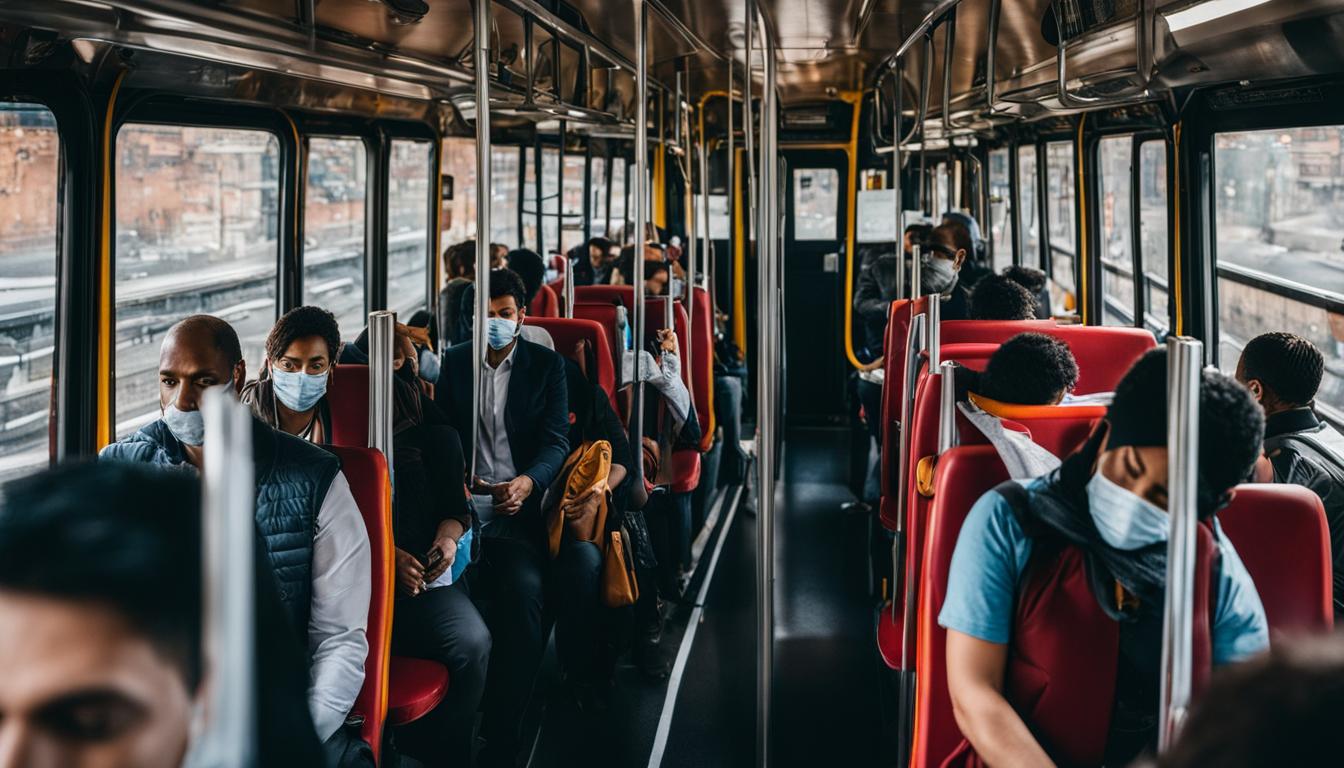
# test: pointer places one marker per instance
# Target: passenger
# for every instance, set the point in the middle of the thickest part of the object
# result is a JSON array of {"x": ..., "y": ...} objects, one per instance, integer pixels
[
  {"x": 466, "y": 321},
  {"x": 313, "y": 533},
  {"x": 1100, "y": 524},
  {"x": 1283, "y": 372},
  {"x": 434, "y": 616},
  {"x": 522, "y": 444},
  {"x": 622, "y": 273},
  {"x": 530, "y": 268},
  {"x": 657, "y": 277},
  {"x": 459, "y": 266},
  {"x": 1279, "y": 709},
  {"x": 942, "y": 258},
  {"x": 499, "y": 256},
  {"x": 1029, "y": 369},
  {"x": 977, "y": 250},
  {"x": 997, "y": 297},
  {"x": 1035, "y": 282}
]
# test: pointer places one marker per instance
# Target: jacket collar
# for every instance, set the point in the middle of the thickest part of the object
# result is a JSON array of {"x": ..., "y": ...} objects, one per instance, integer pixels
[{"x": 1296, "y": 420}]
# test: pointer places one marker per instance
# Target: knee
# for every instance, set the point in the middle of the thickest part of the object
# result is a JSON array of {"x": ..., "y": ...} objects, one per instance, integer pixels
[{"x": 476, "y": 644}]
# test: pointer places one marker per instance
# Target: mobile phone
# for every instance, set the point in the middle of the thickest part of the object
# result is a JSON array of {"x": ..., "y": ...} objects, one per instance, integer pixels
[{"x": 432, "y": 558}]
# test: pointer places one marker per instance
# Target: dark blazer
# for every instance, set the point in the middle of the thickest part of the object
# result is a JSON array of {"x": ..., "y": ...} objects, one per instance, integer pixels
[{"x": 536, "y": 418}]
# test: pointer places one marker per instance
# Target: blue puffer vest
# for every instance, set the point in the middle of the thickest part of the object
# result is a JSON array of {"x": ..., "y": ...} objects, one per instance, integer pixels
[{"x": 292, "y": 477}]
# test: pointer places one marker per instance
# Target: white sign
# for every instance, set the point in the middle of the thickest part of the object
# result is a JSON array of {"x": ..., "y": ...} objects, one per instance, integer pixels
[
  {"x": 875, "y": 216},
  {"x": 720, "y": 225}
]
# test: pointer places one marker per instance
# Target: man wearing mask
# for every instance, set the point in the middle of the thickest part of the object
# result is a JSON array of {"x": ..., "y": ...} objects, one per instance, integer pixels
[
  {"x": 941, "y": 261},
  {"x": 522, "y": 443},
  {"x": 312, "y": 530}
]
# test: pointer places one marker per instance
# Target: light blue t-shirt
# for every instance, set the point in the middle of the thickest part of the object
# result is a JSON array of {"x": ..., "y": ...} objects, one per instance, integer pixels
[{"x": 992, "y": 552}]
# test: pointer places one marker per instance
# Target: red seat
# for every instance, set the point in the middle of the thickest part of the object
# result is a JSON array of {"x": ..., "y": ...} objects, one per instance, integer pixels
[
  {"x": 544, "y": 304},
  {"x": 604, "y": 314},
  {"x": 417, "y": 687},
  {"x": 558, "y": 288},
  {"x": 702, "y": 365},
  {"x": 567, "y": 333},
  {"x": 366, "y": 471},
  {"x": 348, "y": 397},
  {"x": 1280, "y": 533},
  {"x": 606, "y": 294}
]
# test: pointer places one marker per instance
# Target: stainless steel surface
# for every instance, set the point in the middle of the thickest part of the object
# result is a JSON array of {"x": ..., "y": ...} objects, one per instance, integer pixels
[
  {"x": 228, "y": 504},
  {"x": 947, "y": 408},
  {"x": 897, "y": 170},
  {"x": 1185, "y": 358},
  {"x": 381, "y": 420},
  {"x": 749, "y": 121},
  {"x": 641, "y": 203},
  {"x": 934, "y": 336},
  {"x": 915, "y": 268},
  {"x": 484, "y": 161}
]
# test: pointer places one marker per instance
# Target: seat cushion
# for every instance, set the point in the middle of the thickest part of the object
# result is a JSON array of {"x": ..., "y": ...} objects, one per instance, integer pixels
[{"x": 415, "y": 687}]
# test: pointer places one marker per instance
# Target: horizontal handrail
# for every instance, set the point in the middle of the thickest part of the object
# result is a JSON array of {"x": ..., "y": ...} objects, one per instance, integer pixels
[{"x": 1306, "y": 294}]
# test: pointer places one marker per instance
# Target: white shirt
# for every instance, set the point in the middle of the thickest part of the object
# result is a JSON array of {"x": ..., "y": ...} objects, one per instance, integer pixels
[
  {"x": 494, "y": 458},
  {"x": 340, "y": 609}
]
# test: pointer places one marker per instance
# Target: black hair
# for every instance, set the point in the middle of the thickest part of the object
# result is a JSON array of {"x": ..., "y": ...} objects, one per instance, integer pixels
[
  {"x": 654, "y": 266},
  {"x": 1287, "y": 365},
  {"x": 126, "y": 537},
  {"x": 1231, "y": 423},
  {"x": 996, "y": 297},
  {"x": 506, "y": 282},
  {"x": 300, "y": 323},
  {"x": 460, "y": 259},
  {"x": 1031, "y": 279},
  {"x": 1280, "y": 708},
  {"x": 600, "y": 243},
  {"x": 530, "y": 268},
  {"x": 1029, "y": 369},
  {"x": 919, "y": 232},
  {"x": 953, "y": 235},
  {"x": 225, "y": 339}
]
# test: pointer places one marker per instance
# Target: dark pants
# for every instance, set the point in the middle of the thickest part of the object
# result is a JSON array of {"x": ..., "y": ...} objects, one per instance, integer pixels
[
  {"x": 728, "y": 415},
  {"x": 669, "y": 519},
  {"x": 870, "y": 396},
  {"x": 577, "y": 584},
  {"x": 443, "y": 625}
]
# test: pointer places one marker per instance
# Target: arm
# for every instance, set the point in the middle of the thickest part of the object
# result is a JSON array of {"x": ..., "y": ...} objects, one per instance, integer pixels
[
  {"x": 553, "y": 427},
  {"x": 868, "y": 301},
  {"x": 340, "y": 608},
  {"x": 1240, "y": 629},
  {"x": 975, "y": 682}
]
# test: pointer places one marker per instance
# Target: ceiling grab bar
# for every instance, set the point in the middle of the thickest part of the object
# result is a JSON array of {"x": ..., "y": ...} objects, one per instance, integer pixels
[
  {"x": 949, "y": 47},
  {"x": 1143, "y": 64}
]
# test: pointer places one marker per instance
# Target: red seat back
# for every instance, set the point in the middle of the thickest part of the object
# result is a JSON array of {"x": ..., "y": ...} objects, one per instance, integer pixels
[
  {"x": 606, "y": 294},
  {"x": 348, "y": 398},
  {"x": 1280, "y": 533},
  {"x": 545, "y": 303},
  {"x": 604, "y": 314},
  {"x": 366, "y": 471},
  {"x": 558, "y": 288},
  {"x": 567, "y": 333},
  {"x": 702, "y": 365}
]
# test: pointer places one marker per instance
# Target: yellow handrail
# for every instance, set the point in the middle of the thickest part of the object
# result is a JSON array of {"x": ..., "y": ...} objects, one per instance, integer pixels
[{"x": 103, "y": 429}]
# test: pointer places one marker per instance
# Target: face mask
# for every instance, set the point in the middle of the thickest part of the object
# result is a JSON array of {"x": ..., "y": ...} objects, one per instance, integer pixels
[
  {"x": 299, "y": 391},
  {"x": 187, "y": 426},
  {"x": 499, "y": 332},
  {"x": 1124, "y": 519},
  {"x": 429, "y": 365},
  {"x": 936, "y": 275}
]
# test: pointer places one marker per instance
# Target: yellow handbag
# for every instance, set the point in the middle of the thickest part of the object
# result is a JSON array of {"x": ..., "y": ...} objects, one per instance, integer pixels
[{"x": 620, "y": 588}]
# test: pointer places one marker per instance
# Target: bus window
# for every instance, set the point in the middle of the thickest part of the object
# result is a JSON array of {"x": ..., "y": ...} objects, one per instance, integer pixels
[
  {"x": 597, "y": 225},
  {"x": 529, "y": 233},
  {"x": 1278, "y": 221},
  {"x": 30, "y": 184},
  {"x": 1153, "y": 234},
  {"x": 616, "y": 222},
  {"x": 457, "y": 218},
  {"x": 1026, "y": 197},
  {"x": 1059, "y": 190},
  {"x": 1117, "y": 252},
  {"x": 571, "y": 203},
  {"x": 503, "y": 196},
  {"x": 1000, "y": 209},
  {"x": 816, "y": 203},
  {"x": 197, "y": 222},
  {"x": 550, "y": 199},
  {"x": 333, "y": 230},
  {"x": 940, "y": 199},
  {"x": 408, "y": 226}
]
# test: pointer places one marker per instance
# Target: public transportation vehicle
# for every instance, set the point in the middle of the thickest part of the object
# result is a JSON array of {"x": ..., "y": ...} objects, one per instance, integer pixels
[{"x": 1175, "y": 168}]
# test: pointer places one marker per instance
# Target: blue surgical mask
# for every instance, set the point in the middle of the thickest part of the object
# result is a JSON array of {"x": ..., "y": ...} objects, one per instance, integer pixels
[
  {"x": 936, "y": 274},
  {"x": 187, "y": 426},
  {"x": 1124, "y": 519},
  {"x": 499, "y": 332},
  {"x": 299, "y": 391},
  {"x": 429, "y": 365}
]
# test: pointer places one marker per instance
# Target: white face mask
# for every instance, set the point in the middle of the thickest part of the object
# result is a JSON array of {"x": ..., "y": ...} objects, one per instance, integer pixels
[
  {"x": 937, "y": 275},
  {"x": 187, "y": 426},
  {"x": 1124, "y": 519}
]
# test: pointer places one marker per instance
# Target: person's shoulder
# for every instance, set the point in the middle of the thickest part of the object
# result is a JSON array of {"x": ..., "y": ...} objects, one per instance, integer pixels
[
  {"x": 292, "y": 449},
  {"x": 139, "y": 446}
]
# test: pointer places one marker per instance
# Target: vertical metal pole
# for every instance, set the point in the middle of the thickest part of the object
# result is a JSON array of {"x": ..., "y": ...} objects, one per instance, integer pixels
[
  {"x": 916, "y": 269},
  {"x": 1184, "y": 360},
  {"x": 569, "y": 284},
  {"x": 381, "y": 329},
  {"x": 947, "y": 408},
  {"x": 927, "y": 65},
  {"x": 933, "y": 336},
  {"x": 483, "y": 190},
  {"x": 641, "y": 215},
  {"x": 228, "y": 502},
  {"x": 748, "y": 126},
  {"x": 897, "y": 106},
  {"x": 732, "y": 191}
]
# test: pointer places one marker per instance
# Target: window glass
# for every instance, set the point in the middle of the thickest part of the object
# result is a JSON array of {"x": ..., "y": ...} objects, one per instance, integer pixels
[
  {"x": 616, "y": 222},
  {"x": 1153, "y": 233},
  {"x": 197, "y": 221},
  {"x": 1280, "y": 210},
  {"x": 550, "y": 198},
  {"x": 1026, "y": 198},
  {"x": 816, "y": 203},
  {"x": 940, "y": 198},
  {"x": 457, "y": 217},
  {"x": 1000, "y": 209},
  {"x": 597, "y": 225},
  {"x": 571, "y": 229},
  {"x": 333, "y": 230},
  {"x": 30, "y": 187},
  {"x": 529, "y": 235},
  {"x": 408, "y": 226},
  {"x": 504, "y": 197},
  {"x": 1117, "y": 252},
  {"x": 1059, "y": 191}
]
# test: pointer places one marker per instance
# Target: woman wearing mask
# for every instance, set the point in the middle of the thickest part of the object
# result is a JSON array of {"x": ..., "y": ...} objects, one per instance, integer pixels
[
  {"x": 431, "y": 519},
  {"x": 941, "y": 261}
]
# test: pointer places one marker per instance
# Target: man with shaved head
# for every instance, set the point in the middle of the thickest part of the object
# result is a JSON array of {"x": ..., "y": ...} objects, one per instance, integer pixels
[{"x": 315, "y": 538}]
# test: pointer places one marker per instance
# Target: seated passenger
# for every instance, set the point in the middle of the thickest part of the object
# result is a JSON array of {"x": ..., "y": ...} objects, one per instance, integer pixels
[
  {"x": 941, "y": 260},
  {"x": 314, "y": 535},
  {"x": 1029, "y": 369},
  {"x": 1035, "y": 281},
  {"x": 997, "y": 297},
  {"x": 434, "y": 617},
  {"x": 1283, "y": 372},
  {"x": 521, "y": 447},
  {"x": 977, "y": 250},
  {"x": 466, "y": 321},
  {"x": 1094, "y": 531},
  {"x": 459, "y": 268},
  {"x": 594, "y": 268},
  {"x": 531, "y": 269}
]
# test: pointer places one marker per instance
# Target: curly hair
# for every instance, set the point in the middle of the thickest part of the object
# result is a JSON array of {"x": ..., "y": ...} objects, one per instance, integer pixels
[
  {"x": 506, "y": 282},
  {"x": 997, "y": 297},
  {"x": 300, "y": 323},
  {"x": 1029, "y": 369},
  {"x": 459, "y": 259},
  {"x": 1288, "y": 365},
  {"x": 1031, "y": 279}
]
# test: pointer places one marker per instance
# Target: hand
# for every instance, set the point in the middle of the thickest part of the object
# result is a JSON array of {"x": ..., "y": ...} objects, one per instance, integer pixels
[
  {"x": 410, "y": 574},
  {"x": 509, "y": 497},
  {"x": 482, "y": 488},
  {"x": 667, "y": 340},
  {"x": 600, "y": 487},
  {"x": 447, "y": 548}
]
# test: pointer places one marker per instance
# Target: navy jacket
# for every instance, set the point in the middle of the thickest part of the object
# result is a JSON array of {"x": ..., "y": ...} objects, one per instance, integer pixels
[{"x": 536, "y": 418}]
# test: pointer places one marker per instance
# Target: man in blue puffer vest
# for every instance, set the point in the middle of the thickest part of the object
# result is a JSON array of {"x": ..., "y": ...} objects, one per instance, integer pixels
[{"x": 315, "y": 538}]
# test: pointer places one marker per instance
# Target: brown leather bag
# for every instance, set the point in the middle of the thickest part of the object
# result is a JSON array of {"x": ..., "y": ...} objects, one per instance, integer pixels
[
  {"x": 583, "y": 513},
  {"x": 620, "y": 587}
]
